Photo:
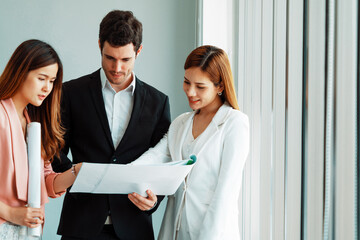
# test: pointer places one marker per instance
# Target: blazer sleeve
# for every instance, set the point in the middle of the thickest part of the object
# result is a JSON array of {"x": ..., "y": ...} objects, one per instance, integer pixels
[
  {"x": 234, "y": 154},
  {"x": 50, "y": 175},
  {"x": 158, "y": 154}
]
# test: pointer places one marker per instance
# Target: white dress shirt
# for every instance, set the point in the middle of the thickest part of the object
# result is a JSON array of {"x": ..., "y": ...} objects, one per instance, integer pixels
[{"x": 118, "y": 106}]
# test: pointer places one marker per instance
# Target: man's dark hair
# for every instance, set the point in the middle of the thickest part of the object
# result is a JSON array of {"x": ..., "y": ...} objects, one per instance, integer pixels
[{"x": 120, "y": 28}]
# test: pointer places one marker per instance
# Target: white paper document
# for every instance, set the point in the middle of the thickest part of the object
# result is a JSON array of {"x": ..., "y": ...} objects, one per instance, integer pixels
[
  {"x": 34, "y": 157},
  {"x": 161, "y": 179}
]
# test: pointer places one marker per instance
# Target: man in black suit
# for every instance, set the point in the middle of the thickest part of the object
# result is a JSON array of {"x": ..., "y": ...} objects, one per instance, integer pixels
[{"x": 110, "y": 116}]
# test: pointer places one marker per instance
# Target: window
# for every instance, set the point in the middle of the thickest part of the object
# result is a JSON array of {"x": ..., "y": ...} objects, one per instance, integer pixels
[{"x": 296, "y": 67}]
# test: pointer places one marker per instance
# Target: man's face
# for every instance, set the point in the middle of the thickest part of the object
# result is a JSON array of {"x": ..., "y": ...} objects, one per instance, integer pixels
[{"x": 118, "y": 63}]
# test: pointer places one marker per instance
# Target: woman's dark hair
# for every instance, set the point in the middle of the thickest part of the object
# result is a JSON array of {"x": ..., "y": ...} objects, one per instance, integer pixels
[{"x": 30, "y": 55}]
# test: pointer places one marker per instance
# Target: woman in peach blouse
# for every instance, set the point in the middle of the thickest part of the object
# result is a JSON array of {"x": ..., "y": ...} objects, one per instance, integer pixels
[{"x": 30, "y": 90}]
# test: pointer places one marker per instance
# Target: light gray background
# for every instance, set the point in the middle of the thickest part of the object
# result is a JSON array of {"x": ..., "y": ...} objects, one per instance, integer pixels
[{"x": 71, "y": 27}]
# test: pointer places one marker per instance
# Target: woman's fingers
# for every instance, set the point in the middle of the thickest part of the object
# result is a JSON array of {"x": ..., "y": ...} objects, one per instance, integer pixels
[
  {"x": 26, "y": 216},
  {"x": 37, "y": 213},
  {"x": 33, "y": 222},
  {"x": 34, "y": 217}
]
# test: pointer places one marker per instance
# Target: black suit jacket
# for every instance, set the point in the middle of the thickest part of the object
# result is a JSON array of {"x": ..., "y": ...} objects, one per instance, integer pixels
[{"x": 89, "y": 138}]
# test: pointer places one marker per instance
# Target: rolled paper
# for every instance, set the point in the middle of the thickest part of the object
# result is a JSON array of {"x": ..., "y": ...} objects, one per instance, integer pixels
[{"x": 34, "y": 157}]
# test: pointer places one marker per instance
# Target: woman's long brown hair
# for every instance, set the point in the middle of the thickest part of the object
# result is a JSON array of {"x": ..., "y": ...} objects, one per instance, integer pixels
[
  {"x": 28, "y": 56},
  {"x": 215, "y": 62}
]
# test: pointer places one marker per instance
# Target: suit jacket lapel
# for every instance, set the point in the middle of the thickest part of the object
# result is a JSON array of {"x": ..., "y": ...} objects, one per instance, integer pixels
[
  {"x": 98, "y": 100},
  {"x": 139, "y": 101}
]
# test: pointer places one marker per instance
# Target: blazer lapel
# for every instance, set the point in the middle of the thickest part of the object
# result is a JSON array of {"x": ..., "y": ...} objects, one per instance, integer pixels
[
  {"x": 18, "y": 149},
  {"x": 139, "y": 101},
  {"x": 205, "y": 137},
  {"x": 180, "y": 135},
  {"x": 212, "y": 129},
  {"x": 98, "y": 100}
]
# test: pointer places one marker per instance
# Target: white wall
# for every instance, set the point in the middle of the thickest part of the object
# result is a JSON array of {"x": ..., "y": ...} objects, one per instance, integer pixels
[{"x": 71, "y": 27}]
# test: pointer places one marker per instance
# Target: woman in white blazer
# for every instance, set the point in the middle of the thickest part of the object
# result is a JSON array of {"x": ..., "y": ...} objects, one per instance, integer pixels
[{"x": 205, "y": 206}]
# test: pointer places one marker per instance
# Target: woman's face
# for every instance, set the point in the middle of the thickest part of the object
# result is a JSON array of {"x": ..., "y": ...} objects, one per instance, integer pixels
[
  {"x": 199, "y": 89},
  {"x": 38, "y": 84}
]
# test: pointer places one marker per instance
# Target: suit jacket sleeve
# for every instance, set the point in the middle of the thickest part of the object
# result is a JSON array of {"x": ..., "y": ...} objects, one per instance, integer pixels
[
  {"x": 160, "y": 131},
  {"x": 163, "y": 124},
  {"x": 234, "y": 154}
]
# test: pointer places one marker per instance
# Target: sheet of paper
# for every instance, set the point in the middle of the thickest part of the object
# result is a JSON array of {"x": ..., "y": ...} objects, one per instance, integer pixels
[
  {"x": 161, "y": 179},
  {"x": 33, "y": 139}
]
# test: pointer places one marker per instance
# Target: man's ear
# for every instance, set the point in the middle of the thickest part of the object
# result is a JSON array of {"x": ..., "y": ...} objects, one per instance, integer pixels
[
  {"x": 138, "y": 51},
  {"x": 99, "y": 45}
]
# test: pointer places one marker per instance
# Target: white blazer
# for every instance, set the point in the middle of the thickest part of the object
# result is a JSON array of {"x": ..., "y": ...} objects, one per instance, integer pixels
[{"x": 213, "y": 185}]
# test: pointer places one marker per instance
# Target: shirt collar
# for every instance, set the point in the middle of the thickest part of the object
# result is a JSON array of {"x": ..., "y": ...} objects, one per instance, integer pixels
[{"x": 105, "y": 82}]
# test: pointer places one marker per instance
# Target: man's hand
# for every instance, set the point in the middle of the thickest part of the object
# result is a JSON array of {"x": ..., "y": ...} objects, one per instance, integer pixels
[{"x": 143, "y": 203}]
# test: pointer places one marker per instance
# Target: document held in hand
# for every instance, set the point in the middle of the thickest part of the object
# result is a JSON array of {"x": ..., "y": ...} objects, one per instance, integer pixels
[
  {"x": 34, "y": 157},
  {"x": 161, "y": 179}
]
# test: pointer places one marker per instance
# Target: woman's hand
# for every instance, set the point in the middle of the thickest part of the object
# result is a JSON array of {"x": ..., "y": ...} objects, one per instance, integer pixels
[
  {"x": 66, "y": 179},
  {"x": 143, "y": 203},
  {"x": 77, "y": 168},
  {"x": 26, "y": 216}
]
